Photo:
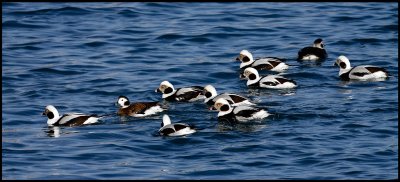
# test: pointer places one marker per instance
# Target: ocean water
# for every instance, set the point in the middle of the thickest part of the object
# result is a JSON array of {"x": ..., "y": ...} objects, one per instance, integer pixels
[{"x": 81, "y": 56}]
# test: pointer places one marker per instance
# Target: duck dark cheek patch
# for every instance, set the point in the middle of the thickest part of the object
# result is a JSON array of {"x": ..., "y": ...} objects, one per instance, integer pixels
[
  {"x": 208, "y": 94},
  {"x": 50, "y": 115},
  {"x": 252, "y": 77},
  {"x": 246, "y": 59},
  {"x": 126, "y": 103},
  {"x": 168, "y": 90},
  {"x": 342, "y": 65},
  {"x": 224, "y": 108}
]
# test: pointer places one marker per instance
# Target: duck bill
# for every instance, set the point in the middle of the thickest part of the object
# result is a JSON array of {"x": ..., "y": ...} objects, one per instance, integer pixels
[
  {"x": 335, "y": 64},
  {"x": 241, "y": 75},
  {"x": 157, "y": 90}
]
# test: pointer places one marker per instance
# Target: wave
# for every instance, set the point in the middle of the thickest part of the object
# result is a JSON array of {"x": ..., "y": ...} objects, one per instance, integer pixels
[
  {"x": 95, "y": 44},
  {"x": 18, "y": 24},
  {"x": 59, "y": 11},
  {"x": 56, "y": 71}
]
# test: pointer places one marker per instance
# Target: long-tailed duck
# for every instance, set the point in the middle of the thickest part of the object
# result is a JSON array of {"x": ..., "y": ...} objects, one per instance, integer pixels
[
  {"x": 235, "y": 100},
  {"x": 138, "y": 109},
  {"x": 313, "y": 53},
  {"x": 68, "y": 119},
  {"x": 190, "y": 94},
  {"x": 266, "y": 63},
  {"x": 232, "y": 114},
  {"x": 176, "y": 129},
  {"x": 363, "y": 72},
  {"x": 269, "y": 81}
]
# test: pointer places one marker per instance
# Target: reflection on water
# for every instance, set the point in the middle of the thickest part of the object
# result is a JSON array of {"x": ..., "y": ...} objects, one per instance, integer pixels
[
  {"x": 53, "y": 131},
  {"x": 56, "y": 131},
  {"x": 252, "y": 126},
  {"x": 367, "y": 81},
  {"x": 271, "y": 92},
  {"x": 308, "y": 63}
]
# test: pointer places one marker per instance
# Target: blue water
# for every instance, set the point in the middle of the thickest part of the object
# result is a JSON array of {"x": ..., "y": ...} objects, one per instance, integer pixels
[{"x": 81, "y": 56}]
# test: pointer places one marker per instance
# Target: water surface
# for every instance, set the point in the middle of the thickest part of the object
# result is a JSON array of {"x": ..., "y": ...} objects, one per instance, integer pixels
[{"x": 81, "y": 56}]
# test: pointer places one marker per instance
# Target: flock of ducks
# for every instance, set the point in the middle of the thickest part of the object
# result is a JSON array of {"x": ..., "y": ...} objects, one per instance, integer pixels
[{"x": 232, "y": 108}]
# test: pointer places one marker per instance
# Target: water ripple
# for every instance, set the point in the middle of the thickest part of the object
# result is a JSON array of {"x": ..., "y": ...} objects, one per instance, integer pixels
[
  {"x": 18, "y": 24},
  {"x": 58, "y": 11},
  {"x": 56, "y": 71},
  {"x": 81, "y": 56}
]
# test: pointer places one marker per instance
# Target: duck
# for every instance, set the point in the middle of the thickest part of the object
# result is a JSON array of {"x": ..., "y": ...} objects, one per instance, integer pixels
[
  {"x": 314, "y": 52},
  {"x": 234, "y": 114},
  {"x": 185, "y": 94},
  {"x": 269, "y": 81},
  {"x": 68, "y": 119},
  {"x": 138, "y": 109},
  {"x": 175, "y": 129},
  {"x": 266, "y": 63},
  {"x": 234, "y": 99},
  {"x": 362, "y": 72}
]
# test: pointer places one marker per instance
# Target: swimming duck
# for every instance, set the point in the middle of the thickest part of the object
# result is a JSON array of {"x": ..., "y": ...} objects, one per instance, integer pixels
[
  {"x": 175, "y": 129},
  {"x": 234, "y": 99},
  {"x": 266, "y": 63},
  {"x": 313, "y": 53},
  {"x": 138, "y": 109},
  {"x": 189, "y": 94},
  {"x": 68, "y": 119},
  {"x": 269, "y": 81},
  {"x": 362, "y": 72},
  {"x": 236, "y": 114}
]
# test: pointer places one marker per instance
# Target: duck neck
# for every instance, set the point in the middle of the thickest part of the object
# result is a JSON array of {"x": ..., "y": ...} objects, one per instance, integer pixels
[{"x": 344, "y": 70}]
